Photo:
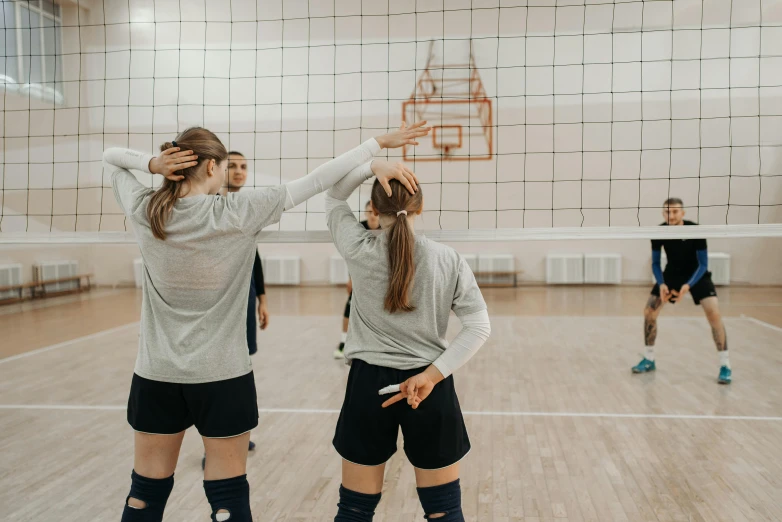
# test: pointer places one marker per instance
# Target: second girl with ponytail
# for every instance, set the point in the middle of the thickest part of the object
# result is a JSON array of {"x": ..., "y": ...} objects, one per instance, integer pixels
[
  {"x": 397, "y": 211},
  {"x": 404, "y": 289}
]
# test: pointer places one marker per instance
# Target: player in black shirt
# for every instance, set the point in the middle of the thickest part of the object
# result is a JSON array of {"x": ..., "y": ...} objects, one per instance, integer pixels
[
  {"x": 686, "y": 271},
  {"x": 372, "y": 222}
]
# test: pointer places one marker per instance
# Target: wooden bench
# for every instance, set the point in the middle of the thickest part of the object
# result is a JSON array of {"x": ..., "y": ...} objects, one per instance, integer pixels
[
  {"x": 38, "y": 288},
  {"x": 12, "y": 288},
  {"x": 514, "y": 284}
]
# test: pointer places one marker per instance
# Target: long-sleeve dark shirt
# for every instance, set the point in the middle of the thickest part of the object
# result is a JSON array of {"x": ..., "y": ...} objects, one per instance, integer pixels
[{"x": 260, "y": 289}]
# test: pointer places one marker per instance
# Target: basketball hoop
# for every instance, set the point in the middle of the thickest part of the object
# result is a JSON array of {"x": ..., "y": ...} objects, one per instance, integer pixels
[{"x": 452, "y": 94}]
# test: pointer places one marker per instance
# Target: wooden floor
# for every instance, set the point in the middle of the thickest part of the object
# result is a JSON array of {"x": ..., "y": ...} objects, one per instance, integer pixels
[{"x": 561, "y": 430}]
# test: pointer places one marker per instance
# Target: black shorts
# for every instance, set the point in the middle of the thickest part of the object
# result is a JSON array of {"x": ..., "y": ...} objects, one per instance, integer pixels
[
  {"x": 347, "y": 306},
  {"x": 701, "y": 290},
  {"x": 219, "y": 409},
  {"x": 435, "y": 435}
]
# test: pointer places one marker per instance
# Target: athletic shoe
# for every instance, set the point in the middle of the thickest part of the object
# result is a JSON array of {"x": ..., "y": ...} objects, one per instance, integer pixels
[
  {"x": 252, "y": 446},
  {"x": 725, "y": 375},
  {"x": 644, "y": 366},
  {"x": 338, "y": 354}
]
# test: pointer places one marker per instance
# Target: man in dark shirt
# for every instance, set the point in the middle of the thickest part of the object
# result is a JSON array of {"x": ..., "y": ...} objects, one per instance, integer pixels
[
  {"x": 237, "y": 177},
  {"x": 686, "y": 271},
  {"x": 372, "y": 222}
]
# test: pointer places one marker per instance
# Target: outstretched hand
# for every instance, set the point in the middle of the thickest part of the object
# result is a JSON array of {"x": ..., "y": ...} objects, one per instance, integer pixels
[
  {"x": 404, "y": 136},
  {"x": 172, "y": 160}
]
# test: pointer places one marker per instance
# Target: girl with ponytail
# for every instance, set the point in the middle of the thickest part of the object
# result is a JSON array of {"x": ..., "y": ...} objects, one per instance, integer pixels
[
  {"x": 404, "y": 289},
  {"x": 193, "y": 366}
]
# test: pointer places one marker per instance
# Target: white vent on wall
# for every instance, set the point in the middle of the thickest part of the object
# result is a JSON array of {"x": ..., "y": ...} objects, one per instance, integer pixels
[
  {"x": 471, "y": 260},
  {"x": 603, "y": 269},
  {"x": 338, "y": 271},
  {"x": 496, "y": 269},
  {"x": 719, "y": 266},
  {"x": 51, "y": 270},
  {"x": 281, "y": 270},
  {"x": 564, "y": 269},
  {"x": 10, "y": 275},
  {"x": 138, "y": 271}
]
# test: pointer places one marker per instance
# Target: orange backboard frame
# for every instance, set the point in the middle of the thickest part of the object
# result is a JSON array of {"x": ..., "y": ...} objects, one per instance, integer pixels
[{"x": 485, "y": 112}]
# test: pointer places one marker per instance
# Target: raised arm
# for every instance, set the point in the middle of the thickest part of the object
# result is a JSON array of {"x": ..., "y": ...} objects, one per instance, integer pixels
[
  {"x": 127, "y": 190},
  {"x": 346, "y": 232},
  {"x": 325, "y": 176}
]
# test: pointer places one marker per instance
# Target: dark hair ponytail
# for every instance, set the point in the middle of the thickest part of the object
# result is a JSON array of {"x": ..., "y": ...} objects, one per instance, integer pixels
[
  {"x": 207, "y": 147},
  {"x": 401, "y": 242}
]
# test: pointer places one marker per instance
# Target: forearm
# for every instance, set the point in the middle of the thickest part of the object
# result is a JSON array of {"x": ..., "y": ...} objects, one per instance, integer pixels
[
  {"x": 657, "y": 268},
  {"x": 127, "y": 159},
  {"x": 325, "y": 176},
  {"x": 703, "y": 265},
  {"x": 476, "y": 329}
]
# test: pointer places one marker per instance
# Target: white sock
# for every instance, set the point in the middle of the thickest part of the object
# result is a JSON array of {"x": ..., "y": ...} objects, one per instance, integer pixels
[
  {"x": 344, "y": 337},
  {"x": 649, "y": 353},
  {"x": 724, "y": 358}
]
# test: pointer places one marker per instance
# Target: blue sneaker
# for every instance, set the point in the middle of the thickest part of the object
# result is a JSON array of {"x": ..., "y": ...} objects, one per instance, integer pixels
[
  {"x": 725, "y": 375},
  {"x": 645, "y": 366}
]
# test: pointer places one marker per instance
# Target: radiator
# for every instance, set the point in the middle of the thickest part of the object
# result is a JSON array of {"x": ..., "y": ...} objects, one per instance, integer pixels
[
  {"x": 471, "y": 260},
  {"x": 564, "y": 269},
  {"x": 281, "y": 270},
  {"x": 603, "y": 269},
  {"x": 138, "y": 272},
  {"x": 719, "y": 266},
  {"x": 10, "y": 275},
  {"x": 338, "y": 271},
  {"x": 49, "y": 270},
  {"x": 496, "y": 269}
]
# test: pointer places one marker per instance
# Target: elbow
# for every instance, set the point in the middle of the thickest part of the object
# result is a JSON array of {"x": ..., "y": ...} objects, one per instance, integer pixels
[{"x": 484, "y": 331}]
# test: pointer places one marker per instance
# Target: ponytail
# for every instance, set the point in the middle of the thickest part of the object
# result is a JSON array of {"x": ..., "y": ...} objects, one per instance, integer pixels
[
  {"x": 401, "y": 268},
  {"x": 206, "y": 146},
  {"x": 401, "y": 242},
  {"x": 160, "y": 206}
]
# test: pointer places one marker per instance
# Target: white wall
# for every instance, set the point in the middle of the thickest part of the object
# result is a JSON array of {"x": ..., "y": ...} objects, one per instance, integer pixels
[
  {"x": 753, "y": 261},
  {"x": 690, "y": 113}
]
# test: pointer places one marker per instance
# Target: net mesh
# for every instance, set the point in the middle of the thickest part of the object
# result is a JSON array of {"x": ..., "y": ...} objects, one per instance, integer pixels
[{"x": 566, "y": 117}]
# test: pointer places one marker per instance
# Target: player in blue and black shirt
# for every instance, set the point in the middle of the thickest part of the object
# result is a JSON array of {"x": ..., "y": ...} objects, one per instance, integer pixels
[{"x": 686, "y": 271}]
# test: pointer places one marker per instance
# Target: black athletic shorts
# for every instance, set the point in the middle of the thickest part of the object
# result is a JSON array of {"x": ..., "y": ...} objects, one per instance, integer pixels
[
  {"x": 435, "y": 435},
  {"x": 701, "y": 290},
  {"x": 347, "y": 306},
  {"x": 218, "y": 409}
]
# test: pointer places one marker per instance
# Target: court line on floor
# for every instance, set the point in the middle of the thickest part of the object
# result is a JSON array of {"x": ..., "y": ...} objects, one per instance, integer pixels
[
  {"x": 761, "y": 323},
  {"x": 67, "y": 343},
  {"x": 317, "y": 411}
]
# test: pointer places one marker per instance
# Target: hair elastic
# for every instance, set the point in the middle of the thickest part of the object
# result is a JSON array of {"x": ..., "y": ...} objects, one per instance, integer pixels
[
  {"x": 401, "y": 212},
  {"x": 173, "y": 143}
]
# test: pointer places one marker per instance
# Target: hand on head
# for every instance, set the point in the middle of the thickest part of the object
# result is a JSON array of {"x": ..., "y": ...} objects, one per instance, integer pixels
[{"x": 172, "y": 160}]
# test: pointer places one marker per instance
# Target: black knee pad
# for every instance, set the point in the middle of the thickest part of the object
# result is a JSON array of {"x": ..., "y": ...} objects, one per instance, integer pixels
[
  {"x": 445, "y": 499},
  {"x": 232, "y": 495},
  {"x": 153, "y": 492},
  {"x": 355, "y": 506}
]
